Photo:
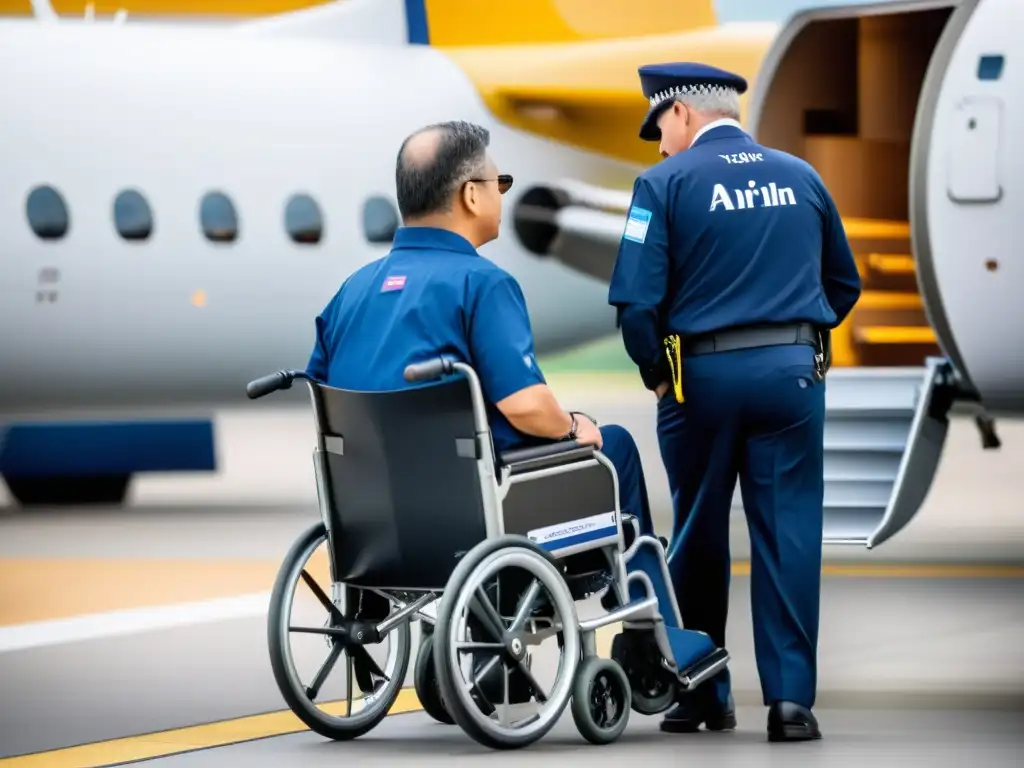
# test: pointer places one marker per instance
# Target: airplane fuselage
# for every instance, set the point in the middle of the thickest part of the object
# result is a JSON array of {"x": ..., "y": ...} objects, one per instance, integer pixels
[{"x": 105, "y": 322}]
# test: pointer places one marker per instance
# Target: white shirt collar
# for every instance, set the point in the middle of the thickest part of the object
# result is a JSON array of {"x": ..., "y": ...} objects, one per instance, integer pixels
[{"x": 715, "y": 124}]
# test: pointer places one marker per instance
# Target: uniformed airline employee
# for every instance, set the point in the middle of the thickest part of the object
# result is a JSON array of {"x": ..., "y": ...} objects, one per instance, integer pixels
[
  {"x": 434, "y": 294},
  {"x": 732, "y": 260}
]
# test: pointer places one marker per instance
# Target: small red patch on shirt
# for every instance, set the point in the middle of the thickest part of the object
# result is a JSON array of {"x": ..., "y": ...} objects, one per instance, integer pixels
[{"x": 393, "y": 283}]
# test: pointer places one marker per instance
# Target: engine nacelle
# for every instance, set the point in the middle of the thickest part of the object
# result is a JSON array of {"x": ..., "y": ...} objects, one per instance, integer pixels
[{"x": 575, "y": 223}]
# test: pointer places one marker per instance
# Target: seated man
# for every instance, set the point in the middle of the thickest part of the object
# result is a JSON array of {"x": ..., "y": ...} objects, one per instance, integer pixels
[{"x": 434, "y": 294}]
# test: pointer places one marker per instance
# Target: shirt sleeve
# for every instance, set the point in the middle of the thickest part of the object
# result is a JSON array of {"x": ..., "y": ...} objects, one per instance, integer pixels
[
  {"x": 501, "y": 340},
  {"x": 640, "y": 281},
  {"x": 320, "y": 358},
  {"x": 839, "y": 276}
]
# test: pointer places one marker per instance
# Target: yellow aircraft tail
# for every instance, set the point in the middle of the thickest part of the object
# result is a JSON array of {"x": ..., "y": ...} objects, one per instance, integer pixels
[{"x": 447, "y": 23}]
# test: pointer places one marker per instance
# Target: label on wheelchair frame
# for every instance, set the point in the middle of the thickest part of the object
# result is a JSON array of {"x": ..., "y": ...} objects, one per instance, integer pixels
[{"x": 575, "y": 532}]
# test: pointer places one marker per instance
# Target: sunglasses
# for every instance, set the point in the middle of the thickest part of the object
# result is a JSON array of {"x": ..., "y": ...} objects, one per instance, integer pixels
[{"x": 504, "y": 182}]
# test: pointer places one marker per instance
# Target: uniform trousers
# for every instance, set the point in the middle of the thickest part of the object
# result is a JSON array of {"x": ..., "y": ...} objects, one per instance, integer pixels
[
  {"x": 758, "y": 414},
  {"x": 620, "y": 449}
]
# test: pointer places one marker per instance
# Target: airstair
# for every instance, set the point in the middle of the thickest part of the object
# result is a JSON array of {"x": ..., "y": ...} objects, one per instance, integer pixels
[
  {"x": 885, "y": 423},
  {"x": 885, "y": 429}
]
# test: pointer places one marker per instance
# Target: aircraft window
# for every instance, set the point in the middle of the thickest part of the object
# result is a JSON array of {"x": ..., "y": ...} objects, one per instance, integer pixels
[
  {"x": 218, "y": 218},
  {"x": 302, "y": 219},
  {"x": 47, "y": 213},
  {"x": 990, "y": 67},
  {"x": 380, "y": 220},
  {"x": 132, "y": 215}
]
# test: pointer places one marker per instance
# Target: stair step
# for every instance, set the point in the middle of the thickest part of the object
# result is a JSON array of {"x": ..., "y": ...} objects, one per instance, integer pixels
[
  {"x": 891, "y": 263},
  {"x": 869, "y": 435},
  {"x": 870, "y": 389},
  {"x": 865, "y": 466},
  {"x": 889, "y": 300},
  {"x": 857, "y": 495},
  {"x": 893, "y": 334},
  {"x": 851, "y": 524},
  {"x": 876, "y": 229}
]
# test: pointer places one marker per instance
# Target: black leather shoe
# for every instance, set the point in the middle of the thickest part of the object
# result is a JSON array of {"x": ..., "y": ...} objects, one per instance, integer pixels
[
  {"x": 791, "y": 722},
  {"x": 694, "y": 710}
]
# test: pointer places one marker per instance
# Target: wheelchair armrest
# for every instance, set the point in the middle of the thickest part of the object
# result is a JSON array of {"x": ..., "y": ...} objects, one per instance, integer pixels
[{"x": 544, "y": 456}]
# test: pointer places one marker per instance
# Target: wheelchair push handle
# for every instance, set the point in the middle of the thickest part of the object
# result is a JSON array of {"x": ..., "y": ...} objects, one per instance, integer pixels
[
  {"x": 429, "y": 369},
  {"x": 272, "y": 383}
]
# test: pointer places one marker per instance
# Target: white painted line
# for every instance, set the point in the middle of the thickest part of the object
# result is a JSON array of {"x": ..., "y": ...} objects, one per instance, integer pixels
[{"x": 39, "y": 634}]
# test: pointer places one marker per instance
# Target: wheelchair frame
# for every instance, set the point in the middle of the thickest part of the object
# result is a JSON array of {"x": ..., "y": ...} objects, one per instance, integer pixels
[{"x": 497, "y": 485}]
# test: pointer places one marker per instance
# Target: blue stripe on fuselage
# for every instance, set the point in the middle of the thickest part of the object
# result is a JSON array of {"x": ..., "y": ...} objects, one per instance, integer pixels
[
  {"x": 416, "y": 22},
  {"x": 106, "y": 448}
]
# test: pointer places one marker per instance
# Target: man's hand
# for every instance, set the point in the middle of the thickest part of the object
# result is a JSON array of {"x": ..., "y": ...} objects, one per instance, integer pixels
[
  {"x": 587, "y": 432},
  {"x": 661, "y": 389}
]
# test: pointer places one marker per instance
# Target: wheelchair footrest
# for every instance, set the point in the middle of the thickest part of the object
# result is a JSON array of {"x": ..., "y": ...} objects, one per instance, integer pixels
[
  {"x": 689, "y": 647},
  {"x": 703, "y": 670}
]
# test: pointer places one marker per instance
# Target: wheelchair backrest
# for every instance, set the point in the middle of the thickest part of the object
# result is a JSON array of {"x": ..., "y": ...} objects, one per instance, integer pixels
[{"x": 402, "y": 479}]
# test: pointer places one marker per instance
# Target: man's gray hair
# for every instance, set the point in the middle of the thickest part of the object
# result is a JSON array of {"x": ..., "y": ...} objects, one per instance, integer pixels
[
  {"x": 721, "y": 102},
  {"x": 427, "y": 185}
]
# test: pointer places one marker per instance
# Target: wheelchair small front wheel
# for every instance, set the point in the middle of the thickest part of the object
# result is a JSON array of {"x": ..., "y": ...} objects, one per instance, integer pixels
[
  {"x": 653, "y": 688},
  {"x": 424, "y": 680},
  {"x": 600, "y": 700}
]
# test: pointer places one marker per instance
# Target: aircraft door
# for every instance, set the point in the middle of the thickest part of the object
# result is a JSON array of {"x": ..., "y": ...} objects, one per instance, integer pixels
[{"x": 974, "y": 168}]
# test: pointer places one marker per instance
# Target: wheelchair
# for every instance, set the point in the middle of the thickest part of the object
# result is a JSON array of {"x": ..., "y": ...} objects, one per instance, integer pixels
[{"x": 419, "y": 514}]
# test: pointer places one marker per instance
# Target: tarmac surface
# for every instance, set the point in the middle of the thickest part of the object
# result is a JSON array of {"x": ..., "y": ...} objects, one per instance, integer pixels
[{"x": 141, "y": 632}]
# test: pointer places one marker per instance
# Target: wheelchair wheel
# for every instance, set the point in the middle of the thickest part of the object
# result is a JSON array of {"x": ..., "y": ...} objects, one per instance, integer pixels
[
  {"x": 600, "y": 700},
  {"x": 504, "y": 595},
  {"x": 424, "y": 680},
  {"x": 373, "y": 679},
  {"x": 652, "y": 688}
]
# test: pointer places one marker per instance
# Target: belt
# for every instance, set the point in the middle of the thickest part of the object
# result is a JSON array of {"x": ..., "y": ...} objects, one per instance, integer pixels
[{"x": 751, "y": 337}]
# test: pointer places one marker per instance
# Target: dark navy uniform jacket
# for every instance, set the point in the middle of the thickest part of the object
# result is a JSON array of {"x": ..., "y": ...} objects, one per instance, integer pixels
[
  {"x": 729, "y": 234},
  {"x": 433, "y": 294}
]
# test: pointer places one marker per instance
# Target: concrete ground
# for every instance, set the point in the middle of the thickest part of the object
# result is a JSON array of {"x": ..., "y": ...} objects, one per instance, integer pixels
[{"x": 117, "y": 623}]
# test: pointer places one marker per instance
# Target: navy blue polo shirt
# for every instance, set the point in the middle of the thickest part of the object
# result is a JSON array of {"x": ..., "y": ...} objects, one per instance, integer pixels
[
  {"x": 729, "y": 233},
  {"x": 433, "y": 294}
]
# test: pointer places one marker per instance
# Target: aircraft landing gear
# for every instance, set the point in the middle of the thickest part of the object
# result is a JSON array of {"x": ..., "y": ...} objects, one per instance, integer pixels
[{"x": 68, "y": 491}]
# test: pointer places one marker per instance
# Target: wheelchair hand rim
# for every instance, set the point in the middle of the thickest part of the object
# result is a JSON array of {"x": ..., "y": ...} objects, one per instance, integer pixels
[
  {"x": 371, "y": 702},
  {"x": 543, "y": 571}
]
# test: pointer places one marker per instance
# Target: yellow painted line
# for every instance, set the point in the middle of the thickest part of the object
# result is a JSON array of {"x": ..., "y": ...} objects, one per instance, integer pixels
[
  {"x": 921, "y": 571},
  {"x": 40, "y": 589},
  {"x": 908, "y": 570},
  {"x": 37, "y": 589},
  {"x": 179, "y": 740},
  {"x": 606, "y": 634}
]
